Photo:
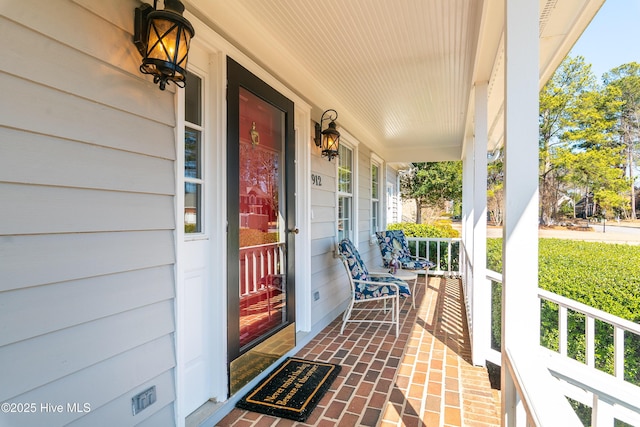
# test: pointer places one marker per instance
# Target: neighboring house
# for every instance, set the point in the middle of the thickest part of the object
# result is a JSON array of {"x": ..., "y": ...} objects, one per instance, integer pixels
[
  {"x": 124, "y": 255},
  {"x": 585, "y": 207}
]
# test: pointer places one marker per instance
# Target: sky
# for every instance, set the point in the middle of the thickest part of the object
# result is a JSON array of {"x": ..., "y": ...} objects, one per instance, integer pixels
[{"x": 612, "y": 38}]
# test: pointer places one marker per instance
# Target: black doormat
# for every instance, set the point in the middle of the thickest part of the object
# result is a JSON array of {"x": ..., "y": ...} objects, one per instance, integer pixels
[{"x": 292, "y": 390}]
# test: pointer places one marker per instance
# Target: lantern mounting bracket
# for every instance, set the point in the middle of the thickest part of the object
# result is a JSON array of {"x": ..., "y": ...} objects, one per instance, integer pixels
[
  {"x": 328, "y": 139},
  {"x": 140, "y": 22}
]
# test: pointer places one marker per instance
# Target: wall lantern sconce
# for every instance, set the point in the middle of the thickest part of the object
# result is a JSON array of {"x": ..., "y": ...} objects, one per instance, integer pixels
[
  {"x": 162, "y": 38},
  {"x": 328, "y": 139}
]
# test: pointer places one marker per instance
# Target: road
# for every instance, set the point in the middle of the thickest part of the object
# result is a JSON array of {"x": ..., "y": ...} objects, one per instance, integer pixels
[
  {"x": 619, "y": 229},
  {"x": 596, "y": 233}
]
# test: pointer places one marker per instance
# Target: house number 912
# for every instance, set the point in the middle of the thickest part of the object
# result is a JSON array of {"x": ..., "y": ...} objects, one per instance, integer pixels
[{"x": 316, "y": 180}]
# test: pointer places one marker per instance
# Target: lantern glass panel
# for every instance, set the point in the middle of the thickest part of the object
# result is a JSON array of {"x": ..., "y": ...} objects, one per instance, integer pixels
[
  {"x": 330, "y": 142},
  {"x": 162, "y": 40},
  {"x": 183, "y": 48}
]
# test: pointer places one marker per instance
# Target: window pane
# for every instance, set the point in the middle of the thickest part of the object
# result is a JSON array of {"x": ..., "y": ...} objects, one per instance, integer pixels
[
  {"x": 192, "y": 208},
  {"x": 344, "y": 218},
  {"x": 192, "y": 154},
  {"x": 374, "y": 181},
  {"x": 345, "y": 168},
  {"x": 192, "y": 100},
  {"x": 374, "y": 215}
]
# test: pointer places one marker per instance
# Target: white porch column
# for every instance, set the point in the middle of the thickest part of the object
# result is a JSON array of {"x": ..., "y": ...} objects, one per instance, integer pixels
[
  {"x": 467, "y": 226},
  {"x": 481, "y": 338},
  {"x": 520, "y": 307}
]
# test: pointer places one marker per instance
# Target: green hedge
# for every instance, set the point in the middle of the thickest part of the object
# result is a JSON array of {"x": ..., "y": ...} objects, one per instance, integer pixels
[
  {"x": 439, "y": 229},
  {"x": 602, "y": 275}
]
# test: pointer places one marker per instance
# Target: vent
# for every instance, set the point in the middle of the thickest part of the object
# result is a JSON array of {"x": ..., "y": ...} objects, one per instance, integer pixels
[{"x": 142, "y": 400}]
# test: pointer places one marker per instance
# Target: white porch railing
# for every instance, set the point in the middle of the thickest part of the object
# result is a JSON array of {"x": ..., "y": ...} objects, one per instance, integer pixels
[
  {"x": 537, "y": 385},
  {"x": 443, "y": 251},
  {"x": 609, "y": 397},
  {"x": 530, "y": 395},
  {"x": 258, "y": 263}
]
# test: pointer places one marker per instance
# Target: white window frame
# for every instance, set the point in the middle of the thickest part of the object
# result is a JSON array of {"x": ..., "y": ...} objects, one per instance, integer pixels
[
  {"x": 201, "y": 181},
  {"x": 375, "y": 199},
  {"x": 345, "y": 195},
  {"x": 392, "y": 205},
  {"x": 350, "y": 143}
]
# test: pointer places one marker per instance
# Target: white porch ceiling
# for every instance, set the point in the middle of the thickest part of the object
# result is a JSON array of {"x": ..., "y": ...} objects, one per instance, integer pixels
[{"x": 400, "y": 73}]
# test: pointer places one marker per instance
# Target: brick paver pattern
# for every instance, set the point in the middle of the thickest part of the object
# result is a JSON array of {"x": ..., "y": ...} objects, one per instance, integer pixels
[{"x": 423, "y": 377}]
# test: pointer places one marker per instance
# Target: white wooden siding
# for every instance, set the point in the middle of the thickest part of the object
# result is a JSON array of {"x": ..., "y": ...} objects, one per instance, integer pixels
[
  {"x": 79, "y": 72},
  {"x": 326, "y": 270},
  {"x": 162, "y": 416},
  {"x": 86, "y": 121},
  {"x": 50, "y": 258},
  {"x": 72, "y": 349},
  {"x": 39, "y": 159},
  {"x": 87, "y": 216},
  {"x": 39, "y": 209},
  {"x": 123, "y": 374},
  {"x": 101, "y": 296},
  {"x": 328, "y": 276}
]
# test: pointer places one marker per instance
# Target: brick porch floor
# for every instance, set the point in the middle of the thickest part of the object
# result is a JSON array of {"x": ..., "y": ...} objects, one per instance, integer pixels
[{"x": 421, "y": 378}]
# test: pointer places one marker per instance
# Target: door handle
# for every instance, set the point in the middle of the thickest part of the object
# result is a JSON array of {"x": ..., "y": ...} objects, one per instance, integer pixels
[{"x": 294, "y": 230}]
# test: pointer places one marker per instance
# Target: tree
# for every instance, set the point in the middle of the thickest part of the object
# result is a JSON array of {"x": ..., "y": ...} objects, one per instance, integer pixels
[
  {"x": 560, "y": 100},
  {"x": 591, "y": 151},
  {"x": 495, "y": 190},
  {"x": 594, "y": 119},
  {"x": 598, "y": 171},
  {"x": 432, "y": 184},
  {"x": 625, "y": 79}
]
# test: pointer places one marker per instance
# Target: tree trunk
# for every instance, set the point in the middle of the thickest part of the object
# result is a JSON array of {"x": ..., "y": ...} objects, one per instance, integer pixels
[
  {"x": 545, "y": 191},
  {"x": 418, "y": 211},
  {"x": 633, "y": 190}
]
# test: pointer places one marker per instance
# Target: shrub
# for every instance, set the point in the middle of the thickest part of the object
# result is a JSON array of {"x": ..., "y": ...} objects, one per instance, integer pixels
[
  {"x": 441, "y": 228},
  {"x": 252, "y": 237},
  {"x": 602, "y": 275}
]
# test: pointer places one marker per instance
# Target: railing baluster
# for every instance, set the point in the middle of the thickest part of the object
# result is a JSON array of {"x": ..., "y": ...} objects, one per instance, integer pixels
[
  {"x": 275, "y": 253},
  {"x": 602, "y": 413},
  {"x": 263, "y": 256},
  {"x": 562, "y": 329},
  {"x": 241, "y": 284},
  {"x": 591, "y": 341},
  {"x": 280, "y": 250},
  {"x": 618, "y": 345},
  {"x": 246, "y": 274},
  {"x": 254, "y": 275}
]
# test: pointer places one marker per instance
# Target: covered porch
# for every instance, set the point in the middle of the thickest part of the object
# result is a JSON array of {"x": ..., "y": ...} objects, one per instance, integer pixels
[
  {"x": 423, "y": 377},
  {"x": 427, "y": 375},
  {"x": 460, "y": 82}
]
